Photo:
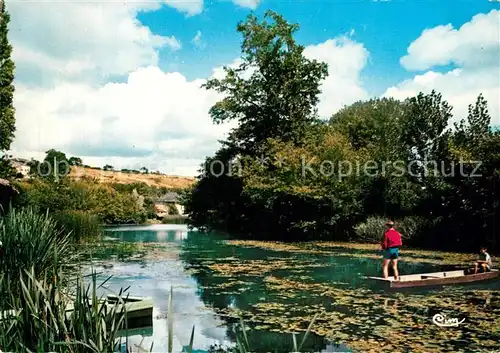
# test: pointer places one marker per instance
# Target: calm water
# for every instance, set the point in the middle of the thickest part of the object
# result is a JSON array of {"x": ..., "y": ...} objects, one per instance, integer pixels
[{"x": 278, "y": 292}]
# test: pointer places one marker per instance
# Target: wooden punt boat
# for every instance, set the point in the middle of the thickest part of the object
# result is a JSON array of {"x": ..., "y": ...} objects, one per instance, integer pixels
[
  {"x": 436, "y": 279},
  {"x": 139, "y": 310}
]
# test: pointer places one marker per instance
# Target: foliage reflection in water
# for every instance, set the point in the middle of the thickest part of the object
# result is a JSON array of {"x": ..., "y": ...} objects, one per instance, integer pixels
[{"x": 278, "y": 289}]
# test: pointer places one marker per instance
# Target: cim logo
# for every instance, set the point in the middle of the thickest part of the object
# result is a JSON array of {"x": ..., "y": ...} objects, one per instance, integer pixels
[{"x": 443, "y": 321}]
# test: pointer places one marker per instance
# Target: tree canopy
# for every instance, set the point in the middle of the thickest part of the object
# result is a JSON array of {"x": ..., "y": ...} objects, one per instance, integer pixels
[
  {"x": 284, "y": 174},
  {"x": 273, "y": 91},
  {"x": 7, "y": 111}
]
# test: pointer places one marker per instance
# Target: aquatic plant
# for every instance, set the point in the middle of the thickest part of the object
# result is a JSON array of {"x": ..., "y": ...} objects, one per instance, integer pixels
[
  {"x": 40, "y": 318},
  {"x": 242, "y": 341},
  {"x": 373, "y": 227},
  {"x": 82, "y": 225},
  {"x": 281, "y": 287},
  {"x": 32, "y": 240}
]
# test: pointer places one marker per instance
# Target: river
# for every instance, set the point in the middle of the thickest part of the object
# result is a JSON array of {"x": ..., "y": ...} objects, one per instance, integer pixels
[{"x": 278, "y": 288}]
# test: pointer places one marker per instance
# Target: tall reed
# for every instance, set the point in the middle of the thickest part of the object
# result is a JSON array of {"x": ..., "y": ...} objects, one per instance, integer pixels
[
  {"x": 47, "y": 318},
  {"x": 41, "y": 319},
  {"x": 242, "y": 341},
  {"x": 32, "y": 240},
  {"x": 82, "y": 225},
  {"x": 36, "y": 294}
]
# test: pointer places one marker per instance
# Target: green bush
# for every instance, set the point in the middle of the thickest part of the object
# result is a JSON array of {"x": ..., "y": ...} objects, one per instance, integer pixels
[
  {"x": 174, "y": 219},
  {"x": 7, "y": 171},
  {"x": 172, "y": 210},
  {"x": 101, "y": 200},
  {"x": 372, "y": 229},
  {"x": 82, "y": 225}
]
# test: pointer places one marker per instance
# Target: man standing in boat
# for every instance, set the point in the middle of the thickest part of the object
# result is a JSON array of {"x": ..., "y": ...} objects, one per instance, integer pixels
[{"x": 390, "y": 246}]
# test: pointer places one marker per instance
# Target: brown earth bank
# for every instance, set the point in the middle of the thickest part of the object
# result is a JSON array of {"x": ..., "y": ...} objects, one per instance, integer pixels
[{"x": 107, "y": 176}]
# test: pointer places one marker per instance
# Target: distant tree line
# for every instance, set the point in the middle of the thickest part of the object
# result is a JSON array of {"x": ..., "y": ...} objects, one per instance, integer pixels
[{"x": 60, "y": 195}]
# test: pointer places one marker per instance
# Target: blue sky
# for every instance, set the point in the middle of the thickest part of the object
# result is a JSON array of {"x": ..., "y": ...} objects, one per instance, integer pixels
[
  {"x": 385, "y": 28},
  {"x": 120, "y": 82}
]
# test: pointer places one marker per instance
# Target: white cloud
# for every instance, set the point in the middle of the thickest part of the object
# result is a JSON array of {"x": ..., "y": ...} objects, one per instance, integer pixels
[
  {"x": 250, "y": 4},
  {"x": 189, "y": 7},
  {"x": 173, "y": 43},
  {"x": 459, "y": 87},
  {"x": 154, "y": 117},
  {"x": 197, "y": 41},
  {"x": 66, "y": 55},
  {"x": 475, "y": 44},
  {"x": 474, "y": 48},
  {"x": 81, "y": 40},
  {"x": 346, "y": 59}
]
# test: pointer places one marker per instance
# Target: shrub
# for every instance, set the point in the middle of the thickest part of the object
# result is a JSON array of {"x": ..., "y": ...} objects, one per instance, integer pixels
[
  {"x": 45, "y": 195},
  {"x": 174, "y": 219},
  {"x": 82, "y": 225},
  {"x": 172, "y": 210},
  {"x": 101, "y": 200},
  {"x": 6, "y": 169},
  {"x": 372, "y": 229}
]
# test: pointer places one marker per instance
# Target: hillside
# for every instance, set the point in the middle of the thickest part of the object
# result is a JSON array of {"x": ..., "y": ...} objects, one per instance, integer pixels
[{"x": 168, "y": 181}]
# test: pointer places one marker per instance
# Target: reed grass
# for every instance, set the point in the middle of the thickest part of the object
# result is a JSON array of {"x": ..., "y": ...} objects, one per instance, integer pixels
[
  {"x": 36, "y": 292},
  {"x": 39, "y": 319},
  {"x": 82, "y": 225},
  {"x": 32, "y": 240}
]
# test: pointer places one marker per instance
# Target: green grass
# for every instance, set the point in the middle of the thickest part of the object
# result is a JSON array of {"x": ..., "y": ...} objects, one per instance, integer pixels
[
  {"x": 38, "y": 320},
  {"x": 32, "y": 240},
  {"x": 82, "y": 225},
  {"x": 174, "y": 219}
]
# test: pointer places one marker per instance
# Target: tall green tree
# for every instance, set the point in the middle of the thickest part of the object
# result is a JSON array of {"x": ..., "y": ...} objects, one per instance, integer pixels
[
  {"x": 274, "y": 91},
  {"x": 7, "y": 112},
  {"x": 425, "y": 133},
  {"x": 55, "y": 166},
  {"x": 471, "y": 132},
  {"x": 376, "y": 126},
  {"x": 470, "y": 204},
  {"x": 272, "y": 94},
  {"x": 76, "y": 161}
]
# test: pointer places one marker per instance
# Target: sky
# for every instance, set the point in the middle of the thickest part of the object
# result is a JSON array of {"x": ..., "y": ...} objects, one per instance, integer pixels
[{"x": 119, "y": 82}]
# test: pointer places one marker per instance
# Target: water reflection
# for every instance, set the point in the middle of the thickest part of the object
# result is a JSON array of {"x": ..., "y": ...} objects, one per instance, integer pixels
[
  {"x": 194, "y": 304},
  {"x": 172, "y": 233},
  {"x": 281, "y": 290},
  {"x": 155, "y": 281}
]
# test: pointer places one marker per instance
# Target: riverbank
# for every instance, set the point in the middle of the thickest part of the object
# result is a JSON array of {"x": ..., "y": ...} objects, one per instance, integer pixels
[{"x": 169, "y": 219}]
